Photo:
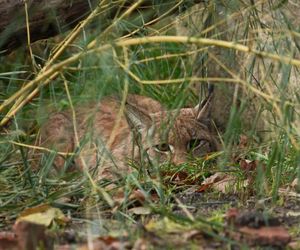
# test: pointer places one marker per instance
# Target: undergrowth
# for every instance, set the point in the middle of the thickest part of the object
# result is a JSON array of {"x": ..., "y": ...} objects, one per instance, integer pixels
[{"x": 149, "y": 69}]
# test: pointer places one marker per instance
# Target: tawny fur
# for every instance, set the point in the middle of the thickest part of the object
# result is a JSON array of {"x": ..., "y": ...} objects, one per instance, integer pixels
[{"x": 108, "y": 136}]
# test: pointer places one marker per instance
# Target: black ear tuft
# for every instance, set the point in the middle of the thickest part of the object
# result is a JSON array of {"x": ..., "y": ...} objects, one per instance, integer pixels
[{"x": 203, "y": 109}]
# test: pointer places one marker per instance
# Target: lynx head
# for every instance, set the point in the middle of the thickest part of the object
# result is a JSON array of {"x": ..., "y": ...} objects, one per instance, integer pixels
[{"x": 174, "y": 136}]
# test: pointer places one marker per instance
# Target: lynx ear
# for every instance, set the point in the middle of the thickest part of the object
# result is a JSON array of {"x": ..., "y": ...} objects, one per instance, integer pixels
[
  {"x": 203, "y": 109},
  {"x": 137, "y": 118}
]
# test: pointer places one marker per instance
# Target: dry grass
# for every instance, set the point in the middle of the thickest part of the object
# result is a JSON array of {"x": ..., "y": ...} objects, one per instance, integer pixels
[{"x": 250, "y": 52}]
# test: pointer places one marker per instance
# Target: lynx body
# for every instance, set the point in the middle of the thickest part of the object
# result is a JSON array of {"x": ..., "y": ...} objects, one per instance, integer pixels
[{"x": 107, "y": 136}]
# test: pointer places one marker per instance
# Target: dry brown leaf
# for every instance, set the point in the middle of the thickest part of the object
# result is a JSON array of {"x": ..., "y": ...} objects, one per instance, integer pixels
[
  {"x": 139, "y": 210},
  {"x": 250, "y": 218},
  {"x": 178, "y": 177},
  {"x": 137, "y": 195},
  {"x": 248, "y": 166},
  {"x": 219, "y": 181},
  {"x": 204, "y": 187},
  {"x": 43, "y": 215},
  {"x": 215, "y": 178},
  {"x": 275, "y": 236},
  {"x": 192, "y": 235},
  {"x": 256, "y": 228}
]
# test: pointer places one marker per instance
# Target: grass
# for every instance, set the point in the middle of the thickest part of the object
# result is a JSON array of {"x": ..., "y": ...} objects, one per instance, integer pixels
[{"x": 255, "y": 52}]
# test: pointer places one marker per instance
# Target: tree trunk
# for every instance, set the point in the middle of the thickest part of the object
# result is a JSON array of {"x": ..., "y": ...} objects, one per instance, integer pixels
[{"x": 48, "y": 18}]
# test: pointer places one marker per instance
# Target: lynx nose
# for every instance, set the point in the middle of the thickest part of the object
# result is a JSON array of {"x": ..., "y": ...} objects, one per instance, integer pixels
[{"x": 179, "y": 158}]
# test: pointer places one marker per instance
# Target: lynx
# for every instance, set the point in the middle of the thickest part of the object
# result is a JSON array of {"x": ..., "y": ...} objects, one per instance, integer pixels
[{"x": 108, "y": 137}]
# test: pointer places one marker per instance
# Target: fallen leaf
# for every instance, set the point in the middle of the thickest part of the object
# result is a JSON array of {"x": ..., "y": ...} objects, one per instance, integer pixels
[
  {"x": 248, "y": 166},
  {"x": 192, "y": 235},
  {"x": 219, "y": 181},
  {"x": 215, "y": 178},
  {"x": 272, "y": 236},
  {"x": 43, "y": 215},
  {"x": 108, "y": 240},
  {"x": 256, "y": 228},
  {"x": 178, "y": 177},
  {"x": 137, "y": 195},
  {"x": 204, "y": 187},
  {"x": 140, "y": 210},
  {"x": 255, "y": 219}
]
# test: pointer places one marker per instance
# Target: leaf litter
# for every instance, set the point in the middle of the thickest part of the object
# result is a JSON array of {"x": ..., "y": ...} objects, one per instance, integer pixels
[{"x": 208, "y": 213}]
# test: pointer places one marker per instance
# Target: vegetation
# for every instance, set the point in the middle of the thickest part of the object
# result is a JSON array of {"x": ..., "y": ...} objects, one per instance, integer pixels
[{"x": 248, "y": 49}]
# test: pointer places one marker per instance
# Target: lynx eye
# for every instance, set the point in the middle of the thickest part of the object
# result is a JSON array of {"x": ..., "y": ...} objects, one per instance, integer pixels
[
  {"x": 195, "y": 144},
  {"x": 164, "y": 147}
]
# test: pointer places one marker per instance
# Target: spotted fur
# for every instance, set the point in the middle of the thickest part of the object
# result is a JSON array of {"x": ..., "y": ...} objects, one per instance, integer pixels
[{"x": 109, "y": 137}]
